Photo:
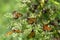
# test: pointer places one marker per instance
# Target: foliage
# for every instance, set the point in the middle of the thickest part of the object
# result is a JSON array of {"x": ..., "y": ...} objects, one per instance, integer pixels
[{"x": 45, "y": 11}]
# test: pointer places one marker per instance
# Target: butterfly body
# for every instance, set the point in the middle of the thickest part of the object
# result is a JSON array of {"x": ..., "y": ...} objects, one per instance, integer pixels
[
  {"x": 16, "y": 15},
  {"x": 8, "y": 33},
  {"x": 31, "y": 20},
  {"x": 46, "y": 28},
  {"x": 13, "y": 31},
  {"x": 16, "y": 30},
  {"x": 32, "y": 34}
]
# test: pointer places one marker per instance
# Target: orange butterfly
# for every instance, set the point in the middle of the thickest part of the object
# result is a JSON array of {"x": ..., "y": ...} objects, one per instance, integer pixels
[
  {"x": 17, "y": 31},
  {"x": 16, "y": 15},
  {"x": 45, "y": 27},
  {"x": 31, "y": 20},
  {"x": 8, "y": 33},
  {"x": 12, "y": 31},
  {"x": 32, "y": 34}
]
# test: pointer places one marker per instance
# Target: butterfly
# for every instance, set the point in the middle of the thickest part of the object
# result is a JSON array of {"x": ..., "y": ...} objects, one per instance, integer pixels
[
  {"x": 13, "y": 31},
  {"x": 8, "y": 33},
  {"x": 31, "y": 20},
  {"x": 32, "y": 34},
  {"x": 16, "y": 30},
  {"x": 47, "y": 28},
  {"x": 16, "y": 15}
]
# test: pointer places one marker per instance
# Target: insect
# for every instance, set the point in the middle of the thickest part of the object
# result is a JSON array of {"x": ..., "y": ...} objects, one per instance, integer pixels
[
  {"x": 47, "y": 28},
  {"x": 13, "y": 31},
  {"x": 8, "y": 33},
  {"x": 16, "y": 15},
  {"x": 31, "y": 20},
  {"x": 16, "y": 30},
  {"x": 32, "y": 34}
]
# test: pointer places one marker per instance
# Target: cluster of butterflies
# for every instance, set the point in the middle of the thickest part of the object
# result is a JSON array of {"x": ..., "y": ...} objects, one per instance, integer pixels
[
  {"x": 16, "y": 15},
  {"x": 32, "y": 34}
]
